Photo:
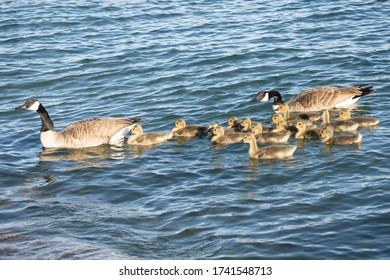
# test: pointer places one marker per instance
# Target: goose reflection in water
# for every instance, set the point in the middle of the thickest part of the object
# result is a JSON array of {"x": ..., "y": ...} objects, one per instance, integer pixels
[{"x": 88, "y": 157}]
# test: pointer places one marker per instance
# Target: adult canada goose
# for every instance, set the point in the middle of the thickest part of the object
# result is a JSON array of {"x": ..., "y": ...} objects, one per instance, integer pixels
[
  {"x": 152, "y": 138},
  {"x": 338, "y": 125},
  {"x": 81, "y": 134},
  {"x": 219, "y": 136},
  {"x": 362, "y": 121},
  {"x": 317, "y": 99},
  {"x": 269, "y": 137},
  {"x": 270, "y": 152},
  {"x": 328, "y": 139},
  {"x": 181, "y": 129},
  {"x": 303, "y": 133}
]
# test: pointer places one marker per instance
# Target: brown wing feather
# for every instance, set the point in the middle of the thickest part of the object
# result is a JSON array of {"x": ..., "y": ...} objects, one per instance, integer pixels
[
  {"x": 317, "y": 99},
  {"x": 95, "y": 128}
]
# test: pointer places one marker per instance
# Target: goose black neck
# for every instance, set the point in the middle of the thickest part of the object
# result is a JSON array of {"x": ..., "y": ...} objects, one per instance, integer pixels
[
  {"x": 277, "y": 97},
  {"x": 47, "y": 123}
]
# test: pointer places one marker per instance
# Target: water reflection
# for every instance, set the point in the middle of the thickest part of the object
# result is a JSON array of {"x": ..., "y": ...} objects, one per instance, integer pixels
[
  {"x": 138, "y": 151},
  {"x": 330, "y": 148},
  {"x": 94, "y": 156}
]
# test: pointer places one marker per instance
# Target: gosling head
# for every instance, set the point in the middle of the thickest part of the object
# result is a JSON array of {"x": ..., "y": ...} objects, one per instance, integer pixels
[
  {"x": 345, "y": 115},
  {"x": 233, "y": 121},
  {"x": 326, "y": 133},
  {"x": 246, "y": 124},
  {"x": 300, "y": 126},
  {"x": 248, "y": 138},
  {"x": 136, "y": 129},
  {"x": 30, "y": 104},
  {"x": 280, "y": 127},
  {"x": 276, "y": 118},
  {"x": 283, "y": 108},
  {"x": 257, "y": 128},
  {"x": 218, "y": 131},
  {"x": 180, "y": 123}
]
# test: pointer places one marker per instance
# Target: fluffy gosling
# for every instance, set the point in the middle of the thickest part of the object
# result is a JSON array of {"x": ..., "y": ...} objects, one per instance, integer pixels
[
  {"x": 269, "y": 137},
  {"x": 270, "y": 152},
  {"x": 181, "y": 129},
  {"x": 362, "y": 121},
  {"x": 152, "y": 138},
  {"x": 328, "y": 138},
  {"x": 219, "y": 136}
]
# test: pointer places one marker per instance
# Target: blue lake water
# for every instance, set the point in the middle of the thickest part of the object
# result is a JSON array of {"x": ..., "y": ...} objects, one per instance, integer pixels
[{"x": 202, "y": 61}]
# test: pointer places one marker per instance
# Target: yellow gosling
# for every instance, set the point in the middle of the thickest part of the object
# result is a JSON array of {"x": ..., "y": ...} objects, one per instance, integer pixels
[
  {"x": 181, "y": 129},
  {"x": 219, "y": 136},
  {"x": 362, "y": 121},
  {"x": 304, "y": 133},
  {"x": 270, "y": 152},
  {"x": 152, "y": 138},
  {"x": 338, "y": 126},
  {"x": 328, "y": 138},
  {"x": 269, "y": 137}
]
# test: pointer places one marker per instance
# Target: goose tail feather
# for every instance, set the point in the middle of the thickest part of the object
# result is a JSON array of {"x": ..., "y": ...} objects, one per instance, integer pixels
[{"x": 364, "y": 89}]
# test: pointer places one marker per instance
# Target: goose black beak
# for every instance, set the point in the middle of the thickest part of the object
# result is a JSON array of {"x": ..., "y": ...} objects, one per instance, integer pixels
[{"x": 23, "y": 107}]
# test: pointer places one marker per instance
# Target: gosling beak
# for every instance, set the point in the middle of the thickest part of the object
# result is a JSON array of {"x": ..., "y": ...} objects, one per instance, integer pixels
[{"x": 241, "y": 141}]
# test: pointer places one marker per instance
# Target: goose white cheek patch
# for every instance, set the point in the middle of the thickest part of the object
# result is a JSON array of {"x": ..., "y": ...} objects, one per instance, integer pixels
[
  {"x": 34, "y": 107},
  {"x": 265, "y": 98}
]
